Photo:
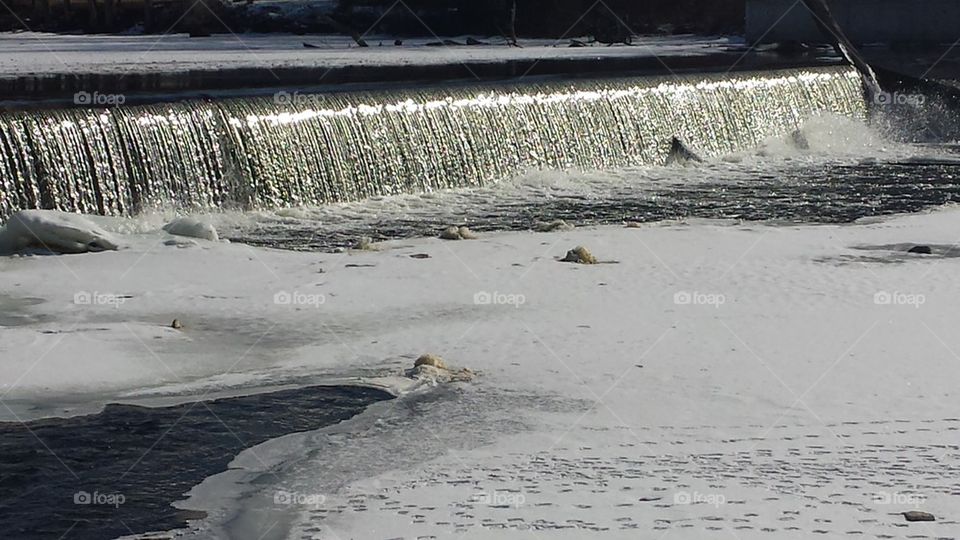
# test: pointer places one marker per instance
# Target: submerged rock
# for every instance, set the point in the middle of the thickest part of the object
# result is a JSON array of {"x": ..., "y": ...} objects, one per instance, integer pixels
[
  {"x": 180, "y": 242},
  {"x": 916, "y": 515},
  {"x": 579, "y": 255},
  {"x": 53, "y": 230},
  {"x": 923, "y": 250},
  {"x": 551, "y": 226},
  {"x": 192, "y": 228}
]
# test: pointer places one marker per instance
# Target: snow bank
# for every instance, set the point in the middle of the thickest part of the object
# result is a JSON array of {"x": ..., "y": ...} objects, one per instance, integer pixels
[{"x": 55, "y": 231}]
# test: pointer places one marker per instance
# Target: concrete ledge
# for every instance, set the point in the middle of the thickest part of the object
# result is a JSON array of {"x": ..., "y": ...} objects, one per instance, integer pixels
[{"x": 46, "y": 90}]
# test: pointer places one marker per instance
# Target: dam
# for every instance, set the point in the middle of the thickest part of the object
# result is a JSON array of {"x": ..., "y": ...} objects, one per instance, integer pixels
[{"x": 293, "y": 149}]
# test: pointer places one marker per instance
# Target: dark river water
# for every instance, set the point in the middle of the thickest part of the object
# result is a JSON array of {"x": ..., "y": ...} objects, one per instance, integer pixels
[
  {"x": 117, "y": 472},
  {"x": 810, "y": 193}
]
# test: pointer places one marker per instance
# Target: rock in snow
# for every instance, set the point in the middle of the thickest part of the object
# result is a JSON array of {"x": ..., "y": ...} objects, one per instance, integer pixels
[
  {"x": 916, "y": 515},
  {"x": 430, "y": 360},
  {"x": 193, "y": 228},
  {"x": 457, "y": 233},
  {"x": 60, "y": 232},
  {"x": 580, "y": 255}
]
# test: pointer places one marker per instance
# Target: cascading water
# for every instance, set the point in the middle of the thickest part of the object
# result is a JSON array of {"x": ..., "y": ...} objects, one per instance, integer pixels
[{"x": 317, "y": 148}]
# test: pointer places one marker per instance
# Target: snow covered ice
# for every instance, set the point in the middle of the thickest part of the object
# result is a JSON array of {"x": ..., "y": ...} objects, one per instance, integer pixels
[{"x": 615, "y": 400}]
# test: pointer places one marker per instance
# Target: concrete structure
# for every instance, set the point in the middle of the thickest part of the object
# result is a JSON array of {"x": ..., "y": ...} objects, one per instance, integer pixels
[{"x": 864, "y": 21}]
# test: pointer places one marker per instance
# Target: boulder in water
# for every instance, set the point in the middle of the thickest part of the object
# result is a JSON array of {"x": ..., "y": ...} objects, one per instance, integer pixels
[
  {"x": 579, "y": 255},
  {"x": 681, "y": 154},
  {"x": 450, "y": 233},
  {"x": 53, "y": 230},
  {"x": 192, "y": 228},
  {"x": 551, "y": 226},
  {"x": 365, "y": 243},
  {"x": 923, "y": 250}
]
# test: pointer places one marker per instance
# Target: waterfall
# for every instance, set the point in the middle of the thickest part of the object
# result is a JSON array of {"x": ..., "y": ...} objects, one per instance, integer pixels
[{"x": 293, "y": 149}]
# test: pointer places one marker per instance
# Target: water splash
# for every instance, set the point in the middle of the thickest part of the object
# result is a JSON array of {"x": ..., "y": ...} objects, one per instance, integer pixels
[{"x": 253, "y": 153}]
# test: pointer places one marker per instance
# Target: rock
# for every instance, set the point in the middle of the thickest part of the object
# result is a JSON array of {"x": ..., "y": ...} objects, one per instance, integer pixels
[
  {"x": 52, "y": 230},
  {"x": 923, "y": 250},
  {"x": 916, "y": 515},
  {"x": 457, "y": 233},
  {"x": 176, "y": 324},
  {"x": 580, "y": 255},
  {"x": 365, "y": 243},
  {"x": 420, "y": 256},
  {"x": 451, "y": 233},
  {"x": 430, "y": 360},
  {"x": 681, "y": 154},
  {"x": 192, "y": 228},
  {"x": 551, "y": 226}
]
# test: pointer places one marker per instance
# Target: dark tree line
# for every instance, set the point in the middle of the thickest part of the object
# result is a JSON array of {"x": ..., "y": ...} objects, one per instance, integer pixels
[{"x": 606, "y": 21}]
